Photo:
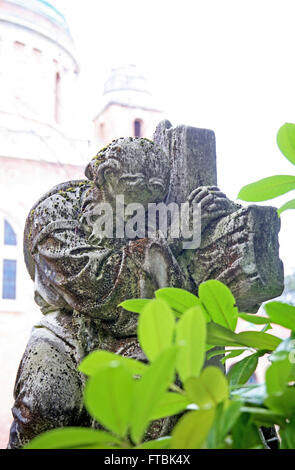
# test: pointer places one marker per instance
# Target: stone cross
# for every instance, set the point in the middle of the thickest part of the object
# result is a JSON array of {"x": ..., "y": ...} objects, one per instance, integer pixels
[
  {"x": 80, "y": 278},
  {"x": 241, "y": 248}
]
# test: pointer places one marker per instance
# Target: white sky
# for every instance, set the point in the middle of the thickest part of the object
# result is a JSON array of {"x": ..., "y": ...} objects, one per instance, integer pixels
[{"x": 227, "y": 65}]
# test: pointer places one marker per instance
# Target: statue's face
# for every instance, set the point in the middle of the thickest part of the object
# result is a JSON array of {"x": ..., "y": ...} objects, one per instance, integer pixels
[
  {"x": 135, "y": 168},
  {"x": 137, "y": 184}
]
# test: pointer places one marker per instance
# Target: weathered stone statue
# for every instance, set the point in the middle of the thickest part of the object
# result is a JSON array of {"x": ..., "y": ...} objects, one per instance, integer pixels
[{"x": 80, "y": 277}]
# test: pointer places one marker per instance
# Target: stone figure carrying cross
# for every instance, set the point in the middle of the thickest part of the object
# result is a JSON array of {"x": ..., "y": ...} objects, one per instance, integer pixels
[{"x": 80, "y": 280}]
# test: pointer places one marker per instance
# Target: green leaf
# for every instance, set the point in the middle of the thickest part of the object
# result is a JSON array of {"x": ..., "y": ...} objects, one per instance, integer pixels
[
  {"x": 179, "y": 300},
  {"x": 225, "y": 418},
  {"x": 171, "y": 404},
  {"x": 227, "y": 354},
  {"x": 255, "y": 319},
  {"x": 263, "y": 416},
  {"x": 259, "y": 340},
  {"x": 98, "y": 359},
  {"x": 284, "y": 403},
  {"x": 209, "y": 389},
  {"x": 191, "y": 337},
  {"x": 241, "y": 372},
  {"x": 288, "y": 435},
  {"x": 281, "y": 314},
  {"x": 286, "y": 141},
  {"x": 73, "y": 438},
  {"x": 286, "y": 352},
  {"x": 161, "y": 443},
  {"x": 192, "y": 429},
  {"x": 267, "y": 188},
  {"x": 109, "y": 397},
  {"x": 233, "y": 353},
  {"x": 217, "y": 335},
  {"x": 277, "y": 376},
  {"x": 288, "y": 205},
  {"x": 215, "y": 352},
  {"x": 156, "y": 328},
  {"x": 231, "y": 412},
  {"x": 150, "y": 390},
  {"x": 245, "y": 434},
  {"x": 266, "y": 327},
  {"x": 219, "y": 303},
  {"x": 134, "y": 305}
]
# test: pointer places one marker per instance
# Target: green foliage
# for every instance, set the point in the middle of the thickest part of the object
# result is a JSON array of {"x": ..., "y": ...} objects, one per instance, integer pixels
[
  {"x": 255, "y": 319},
  {"x": 258, "y": 340},
  {"x": 175, "y": 330},
  {"x": 219, "y": 303},
  {"x": 286, "y": 141},
  {"x": 245, "y": 434},
  {"x": 100, "y": 359},
  {"x": 217, "y": 335},
  {"x": 156, "y": 328},
  {"x": 286, "y": 206},
  {"x": 267, "y": 188},
  {"x": 229, "y": 353},
  {"x": 134, "y": 305},
  {"x": 171, "y": 404},
  {"x": 225, "y": 418},
  {"x": 192, "y": 429},
  {"x": 163, "y": 443},
  {"x": 209, "y": 389},
  {"x": 288, "y": 435},
  {"x": 232, "y": 353},
  {"x": 150, "y": 391},
  {"x": 274, "y": 186},
  {"x": 179, "y": 300},
  {"x": 191, "y": 339},
  {"x": 109, "y": 396},
  {"x": 241, "y": 372},
  {"x": 281, "y": 314},
  {"x": 74, "y": 438},
  {"x": 277, "y": 377}
]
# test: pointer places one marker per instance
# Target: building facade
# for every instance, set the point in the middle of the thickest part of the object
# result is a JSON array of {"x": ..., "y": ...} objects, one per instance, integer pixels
[{"x": 38, "y": 75}]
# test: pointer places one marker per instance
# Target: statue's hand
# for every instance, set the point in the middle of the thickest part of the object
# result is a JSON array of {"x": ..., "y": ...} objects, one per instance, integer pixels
[{"x": 214, "y": 204}]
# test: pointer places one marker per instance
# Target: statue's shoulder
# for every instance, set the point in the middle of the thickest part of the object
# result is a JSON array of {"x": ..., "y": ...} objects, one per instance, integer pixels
[
  {"x": 70, "y": 190},
  {"x": 59, "y": 208}
]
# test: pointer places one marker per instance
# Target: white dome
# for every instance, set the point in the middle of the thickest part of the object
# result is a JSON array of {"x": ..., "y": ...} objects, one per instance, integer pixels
[
  {"x": 38, "y": 16},
  {"x": 127, "y": 86}
]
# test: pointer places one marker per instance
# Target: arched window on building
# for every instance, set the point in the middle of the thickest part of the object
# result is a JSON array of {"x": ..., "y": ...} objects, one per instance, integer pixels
[
  {"x": 8, "y": 260},
  {"x": 137, "y": 128}
]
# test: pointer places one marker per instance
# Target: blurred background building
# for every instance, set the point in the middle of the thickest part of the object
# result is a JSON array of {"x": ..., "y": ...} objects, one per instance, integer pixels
[
  {"x": 41, "y": 145},
  {"x": 127, "y": 107}
]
